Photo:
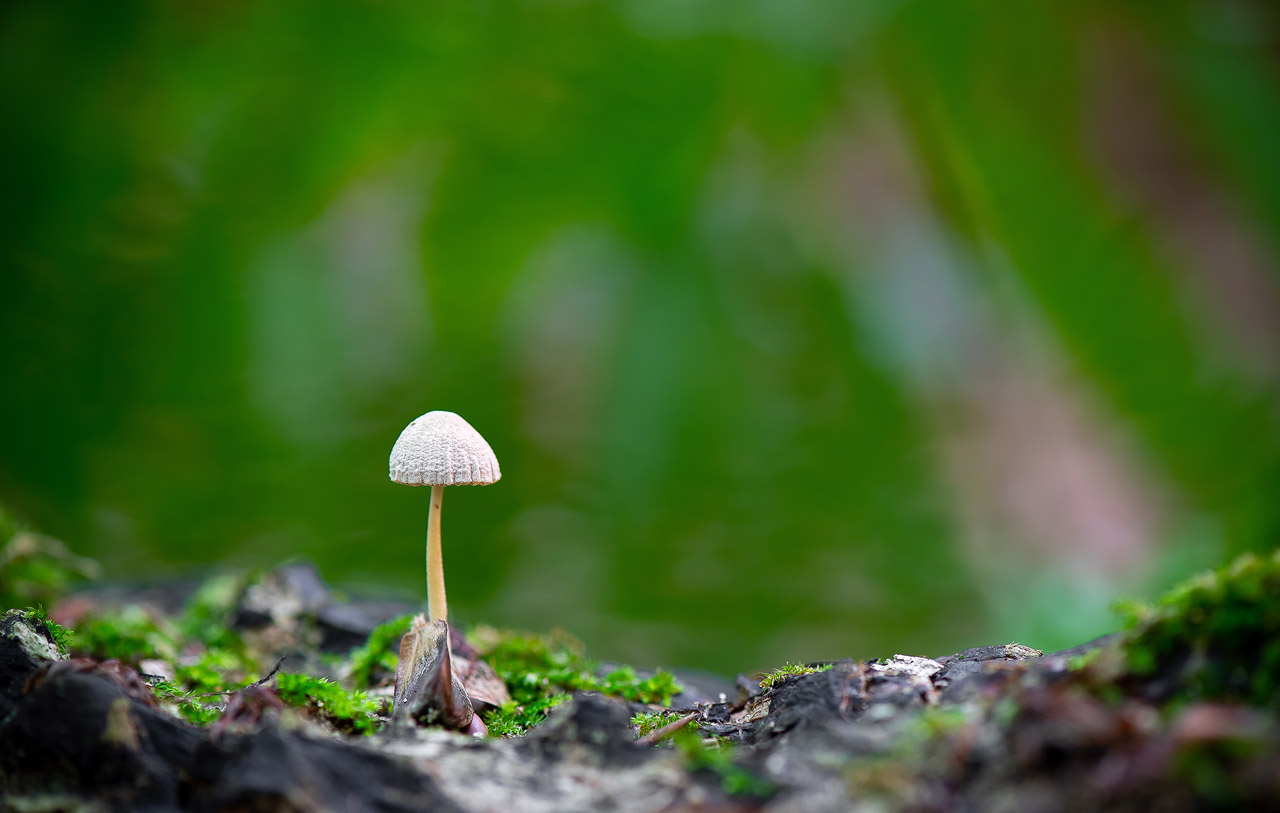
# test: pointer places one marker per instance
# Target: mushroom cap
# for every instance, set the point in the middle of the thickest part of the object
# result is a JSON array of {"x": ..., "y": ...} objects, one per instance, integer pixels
[{"x": 441, "y": 449}]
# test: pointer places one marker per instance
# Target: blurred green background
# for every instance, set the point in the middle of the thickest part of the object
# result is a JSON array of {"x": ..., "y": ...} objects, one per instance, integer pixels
[{"x": 801, "y": 329}]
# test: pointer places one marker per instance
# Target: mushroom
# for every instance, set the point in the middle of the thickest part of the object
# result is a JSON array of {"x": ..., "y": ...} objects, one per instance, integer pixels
[{"x": 441, "y": 449}]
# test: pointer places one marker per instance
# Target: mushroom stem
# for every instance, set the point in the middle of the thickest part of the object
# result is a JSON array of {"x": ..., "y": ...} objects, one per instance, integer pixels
[{"x": 437, "y": 607}]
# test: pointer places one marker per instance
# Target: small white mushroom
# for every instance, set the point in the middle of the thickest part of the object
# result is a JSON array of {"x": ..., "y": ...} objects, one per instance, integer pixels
[{"x": 441, "y": 449}]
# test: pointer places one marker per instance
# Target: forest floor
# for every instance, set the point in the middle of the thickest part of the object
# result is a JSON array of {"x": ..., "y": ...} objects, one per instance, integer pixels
[{"x": 265, "y": 692}]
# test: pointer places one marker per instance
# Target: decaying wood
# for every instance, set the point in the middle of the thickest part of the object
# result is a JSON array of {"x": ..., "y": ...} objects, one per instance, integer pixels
[{"x": 991, "y": 728}]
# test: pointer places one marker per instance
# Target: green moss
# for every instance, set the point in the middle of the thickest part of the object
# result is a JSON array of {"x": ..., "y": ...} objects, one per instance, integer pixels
[
  {"x": 933, "y": 722},
  {"x": 381, "y": 651},
  {"x": 718, "y": 758},
  {"x": 190, "y": 707},
  {"x": 1078, "y": 662},
  {"x": 216, "y": 670},
  {"x": 624, "y": 682},
  {"x": 540, "y": 670},
  {"x": 925, "y": 738},
  {"x": 206, "y": 654},
  {"x": 789, "y": 670},
  {"x": 535, "y": 666},
  {"x": 61, "y": 635},
  {"x": 209, "y": 657},
  {"x": 199, "y": 714},
  {"x": 515, "y": 719},
  {"x": 1213, "y": 769},
  {"x": 1220, "y": 629},
  {"x": 130, "y": 635},
  {"x": 207, "y": 614},
  {"x": 351, "y": 712}
]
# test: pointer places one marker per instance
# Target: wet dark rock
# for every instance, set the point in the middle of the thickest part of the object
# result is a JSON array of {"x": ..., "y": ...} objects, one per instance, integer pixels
[
  {"x": 1100, "y": 642},
  {"x": 1005, "y": 652},
  {"x": 701, "y": 688},
  {"x": 163, "y": 599},
  {"x": 26, "y": 645},
  {"x": 79, "y": 727},
  {"x": 125, "y": 677},
  {"x": 277, "y": 770},
  {"x": 747, "y": 689},
  {"x": 589, "y": 727},
  {"x": 901, "y": 691},
  {"x": 981, "y": 671},
  {"x": 286, "y": 595},
  {"x": 303, "y": 581},
  {"x": 838, "y": 693},
  {"x": 79, "y": 731},
  {"x": 968, "y": 681},
  {"x": 251, "y": 618},
  {"x": 346, "y": 626},
  {"x": 719, "y": 712}
]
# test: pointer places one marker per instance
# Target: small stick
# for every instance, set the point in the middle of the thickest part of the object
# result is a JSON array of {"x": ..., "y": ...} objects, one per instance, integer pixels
[
  {"x": 659, "y": 734},
  {"x": 270, "y": 675}
]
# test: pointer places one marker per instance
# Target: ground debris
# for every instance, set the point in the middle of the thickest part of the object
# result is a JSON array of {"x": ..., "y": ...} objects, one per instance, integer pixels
[{"x": 1176, "y": 713}]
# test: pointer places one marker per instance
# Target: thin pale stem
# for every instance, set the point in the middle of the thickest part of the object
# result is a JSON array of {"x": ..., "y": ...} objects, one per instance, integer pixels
[{"x": 437, "y": 607}]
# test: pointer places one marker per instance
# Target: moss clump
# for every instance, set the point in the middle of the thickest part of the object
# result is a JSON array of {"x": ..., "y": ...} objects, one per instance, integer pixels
[
  {"x": 381, "y": 651},
  {"x": 1219, "y": 630},
  {"x": 789, "y": 670},
  {"x": 207, "y": 659},
  {"x": 130, "y": 634},
  {"x": 515, "y": 719},
  {"x": 540, "y": 672},
  {"x": 207, "y": 615},
  {"x": 625, "y": 682},
  {"x": 215, "y": 670},
  {"x": 206, "y": 655},
  {"x": 205, "y": 625},
  {"x": 351, "y": 712}
]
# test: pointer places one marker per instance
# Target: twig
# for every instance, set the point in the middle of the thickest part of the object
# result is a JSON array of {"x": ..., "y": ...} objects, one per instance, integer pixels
[
  {"x": 273, "y": 671},
  {"x": 659, "y": 734},
  {"x": 263, "y": 680}
]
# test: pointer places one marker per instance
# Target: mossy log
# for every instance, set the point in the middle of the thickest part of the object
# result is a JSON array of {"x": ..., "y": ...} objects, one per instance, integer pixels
[{"x": 1176, "y": 712}]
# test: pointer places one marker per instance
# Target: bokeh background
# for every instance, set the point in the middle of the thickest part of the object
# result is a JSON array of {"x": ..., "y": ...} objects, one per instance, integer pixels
[{"x": 802, "y": 329}]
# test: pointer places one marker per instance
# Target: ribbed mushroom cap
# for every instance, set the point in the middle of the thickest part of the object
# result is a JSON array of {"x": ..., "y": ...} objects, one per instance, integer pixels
[{"x": 441, "y": 449}]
